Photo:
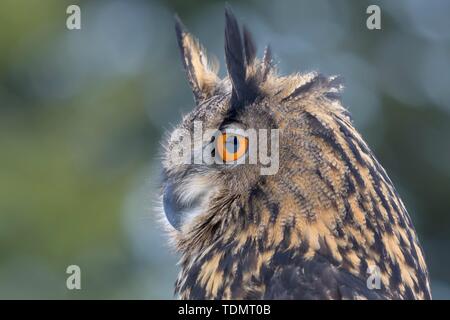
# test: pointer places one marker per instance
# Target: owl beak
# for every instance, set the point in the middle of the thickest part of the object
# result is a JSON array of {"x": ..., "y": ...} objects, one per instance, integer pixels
[{"x": 179, "y": 211}]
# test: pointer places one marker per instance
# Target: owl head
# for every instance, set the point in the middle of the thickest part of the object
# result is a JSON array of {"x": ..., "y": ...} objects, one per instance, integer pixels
[
  {"x": 248, "y": 134},
  {"x": 267, "y": 177}
]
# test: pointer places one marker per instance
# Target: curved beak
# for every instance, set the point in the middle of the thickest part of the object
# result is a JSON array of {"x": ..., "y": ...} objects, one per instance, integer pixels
[
  {"x": 178, "y": 210},
  {"x": 172, "y": 208}
]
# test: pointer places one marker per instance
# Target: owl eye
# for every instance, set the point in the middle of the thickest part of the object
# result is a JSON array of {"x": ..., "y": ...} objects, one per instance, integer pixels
[{"x": 231, "y": 147}]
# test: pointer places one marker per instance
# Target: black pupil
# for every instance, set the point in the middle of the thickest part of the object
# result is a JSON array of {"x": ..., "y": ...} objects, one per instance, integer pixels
[
  {"x": 235, "y": 143},
  {"x": 232, "y": 144},
  {"x": 213, "y": 151}
]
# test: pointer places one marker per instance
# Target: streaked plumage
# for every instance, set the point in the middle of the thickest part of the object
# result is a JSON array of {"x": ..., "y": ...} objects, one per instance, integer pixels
[{"x": 308, "y": 232}]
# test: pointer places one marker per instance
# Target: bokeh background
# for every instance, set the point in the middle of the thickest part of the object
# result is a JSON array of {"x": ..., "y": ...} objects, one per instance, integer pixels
[{"x": 82, "y": 113}]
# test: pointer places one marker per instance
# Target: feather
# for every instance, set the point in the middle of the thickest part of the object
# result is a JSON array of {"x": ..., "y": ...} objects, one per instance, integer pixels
[{"x": 234, "y": 56}]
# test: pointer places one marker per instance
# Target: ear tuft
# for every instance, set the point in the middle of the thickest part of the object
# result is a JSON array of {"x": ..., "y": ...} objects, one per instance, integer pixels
[
  {"x": 249, "y": 46},
  {"x": 234, "y": 56},
  {"x": 267, "y": 63},
  {"x": 239, "y": 57},
  {"x": 202, "y": 76}
]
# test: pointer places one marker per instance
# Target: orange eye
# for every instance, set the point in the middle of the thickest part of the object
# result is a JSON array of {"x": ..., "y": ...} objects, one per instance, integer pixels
[{"x": 231, "y": 147}]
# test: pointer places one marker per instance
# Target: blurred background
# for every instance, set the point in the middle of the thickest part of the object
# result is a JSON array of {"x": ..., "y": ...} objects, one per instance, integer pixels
[{"x": 82, "y": 113}]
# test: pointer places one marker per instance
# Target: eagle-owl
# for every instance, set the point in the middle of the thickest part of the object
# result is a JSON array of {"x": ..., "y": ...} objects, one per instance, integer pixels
[{"x": 328, "y": 224}]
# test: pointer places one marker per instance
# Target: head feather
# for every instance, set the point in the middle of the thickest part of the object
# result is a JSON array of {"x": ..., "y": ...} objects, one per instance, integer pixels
[
  {"x": 201, "y": 75},
  {"x": 240, "y": 56},
  {"x": 234, "y": 56}
]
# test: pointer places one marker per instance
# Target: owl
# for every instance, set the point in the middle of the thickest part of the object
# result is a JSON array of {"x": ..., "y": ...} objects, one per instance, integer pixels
[{"x": 325, "y": 222}]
